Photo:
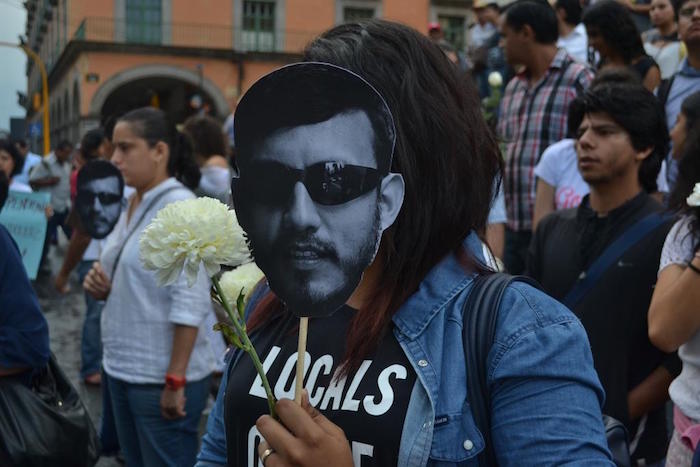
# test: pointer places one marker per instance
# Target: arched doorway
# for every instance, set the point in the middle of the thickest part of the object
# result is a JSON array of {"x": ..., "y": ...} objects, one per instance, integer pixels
[{"x": 172, "y": 89}]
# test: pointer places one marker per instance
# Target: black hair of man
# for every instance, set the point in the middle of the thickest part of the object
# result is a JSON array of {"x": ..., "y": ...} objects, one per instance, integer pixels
[
  {"x": 21, "y": 142},
  {"x": 646, "y": 125},
  {"x": 7, "y": 146},
  {"x": 91, "y": 142},
  {"x": 97, "y": 169},
  {"x": 64, "y": 145},
  {"x": 538, "y": 14},
  {"x": 572, "y": 10},
  {"x": 305, "y": 94}
]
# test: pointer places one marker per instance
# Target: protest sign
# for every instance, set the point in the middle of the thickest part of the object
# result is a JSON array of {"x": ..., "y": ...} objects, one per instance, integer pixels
[{"x": 24, "y": 217}]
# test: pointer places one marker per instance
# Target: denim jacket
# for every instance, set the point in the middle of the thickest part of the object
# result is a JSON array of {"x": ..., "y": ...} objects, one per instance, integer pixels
[{"x": 545, "y": 393}]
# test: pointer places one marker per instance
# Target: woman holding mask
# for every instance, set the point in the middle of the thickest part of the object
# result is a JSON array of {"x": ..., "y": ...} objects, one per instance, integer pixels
[{"x": 156, "y": 356}]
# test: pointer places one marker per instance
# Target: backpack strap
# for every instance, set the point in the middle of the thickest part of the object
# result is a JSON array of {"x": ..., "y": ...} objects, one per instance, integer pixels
[
  {"x": 480, "y": 315},
  {"x": 614, "y": 251},
  {"x": 664, "y": 89}
]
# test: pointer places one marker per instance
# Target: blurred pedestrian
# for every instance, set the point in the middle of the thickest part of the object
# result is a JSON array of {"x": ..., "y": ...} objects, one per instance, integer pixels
[
  {"x": 612, "y": 33},
  {"x": 11, "y": 164},
  {"x": 156, "y": 356},
  {"x": 534, "y": 111},
  {"x": 52, "y": 175},
  {"x": 209, "y": 143},
  {"x": 29, "y": 161},
  {"x": 686, "y": 81},
  {"x": 662, "y": 42},
  {"x": 572, "y": 32}
]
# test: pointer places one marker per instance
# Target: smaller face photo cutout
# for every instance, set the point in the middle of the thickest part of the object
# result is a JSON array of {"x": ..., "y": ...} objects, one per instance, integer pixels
[
  {"x": 314, "y": 190},
  {"x": 99, "y": 199}
]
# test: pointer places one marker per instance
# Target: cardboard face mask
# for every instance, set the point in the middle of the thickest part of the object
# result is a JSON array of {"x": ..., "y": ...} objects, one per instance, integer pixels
[
  {"x": 314, "y": 191},
  {"x": 99, "y": 199}
]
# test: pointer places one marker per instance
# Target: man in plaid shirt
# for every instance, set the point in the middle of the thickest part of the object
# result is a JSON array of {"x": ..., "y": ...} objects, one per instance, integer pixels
[{"x": 533, "y": 111}]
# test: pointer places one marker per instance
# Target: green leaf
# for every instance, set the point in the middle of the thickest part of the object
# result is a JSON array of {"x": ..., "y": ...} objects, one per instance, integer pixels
[{"x": 229, "y": 334}]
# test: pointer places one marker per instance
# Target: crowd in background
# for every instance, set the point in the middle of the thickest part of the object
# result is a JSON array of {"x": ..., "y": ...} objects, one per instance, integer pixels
[{"x": 599, "y": 124}]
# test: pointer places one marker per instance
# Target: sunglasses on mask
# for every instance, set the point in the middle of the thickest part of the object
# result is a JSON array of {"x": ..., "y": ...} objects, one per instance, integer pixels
[
  {"x": 328, "y": 183},
  {"x": 88, "y": 197}
]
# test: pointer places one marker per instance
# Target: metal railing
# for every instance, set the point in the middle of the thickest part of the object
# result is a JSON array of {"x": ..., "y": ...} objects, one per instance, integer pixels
[{"x": 209, "y": 36}]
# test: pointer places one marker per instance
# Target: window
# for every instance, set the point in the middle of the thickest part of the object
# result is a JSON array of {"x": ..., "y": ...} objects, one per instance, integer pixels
[
  {"x": 455, "y": 30},
  {"x": 143, "y": 21},
  {"x": 351, "y": 14},
  {"x": 259, "y": 25}
]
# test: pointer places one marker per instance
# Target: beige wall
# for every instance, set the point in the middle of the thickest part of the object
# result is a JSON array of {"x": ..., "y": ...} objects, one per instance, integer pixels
[{"x": 222, "y": 73}]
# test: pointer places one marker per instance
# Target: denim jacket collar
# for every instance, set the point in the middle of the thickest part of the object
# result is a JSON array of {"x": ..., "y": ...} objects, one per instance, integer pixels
[{"x": 445, "y": 280}]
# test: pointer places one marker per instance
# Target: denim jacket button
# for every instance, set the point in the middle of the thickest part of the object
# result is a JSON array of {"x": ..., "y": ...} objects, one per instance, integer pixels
[
  {"x": 468, "y": 445},
  {"x": 422, "y": 363}
]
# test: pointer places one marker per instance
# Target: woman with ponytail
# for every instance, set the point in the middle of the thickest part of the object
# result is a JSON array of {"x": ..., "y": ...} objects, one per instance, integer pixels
[
  {"x": 156, "y": 354},
  {"x": 674, "y": 313}
]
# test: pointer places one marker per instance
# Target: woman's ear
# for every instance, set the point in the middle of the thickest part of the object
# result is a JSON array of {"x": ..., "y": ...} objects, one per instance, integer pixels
[
  {"x": 391, "y": 199},
  {"x": 161, "y": 152}
]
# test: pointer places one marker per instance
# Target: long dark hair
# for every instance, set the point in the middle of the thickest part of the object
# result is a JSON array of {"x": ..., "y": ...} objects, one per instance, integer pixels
[
  {"x": 446, "y": 153},
  {"x": 689, "y": 167},
  {"x": 153, "y": 125},
  {"x": 614, "y": 23}
]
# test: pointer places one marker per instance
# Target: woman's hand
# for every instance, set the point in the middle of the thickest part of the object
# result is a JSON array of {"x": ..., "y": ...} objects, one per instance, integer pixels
[
  {"x": 306, "y": 439},
  {"x": 97, "y": 283},
  {"x": 172, "y": 403}
]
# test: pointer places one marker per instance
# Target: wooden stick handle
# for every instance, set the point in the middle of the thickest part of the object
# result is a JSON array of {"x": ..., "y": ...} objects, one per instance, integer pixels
[{"x": 301, "y": 353}]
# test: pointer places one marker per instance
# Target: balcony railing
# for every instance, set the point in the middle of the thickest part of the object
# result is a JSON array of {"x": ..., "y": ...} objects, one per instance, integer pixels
[{"x": 191, "y": 35}]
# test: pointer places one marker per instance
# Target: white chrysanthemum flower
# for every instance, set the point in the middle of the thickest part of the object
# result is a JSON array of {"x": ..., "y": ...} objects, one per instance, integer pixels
[
  {"x": 694, "y": 199},
  {"x": 189, "y": 232},
  {"x": 495, "y": 79},
  {"x": 240, "y": 280}
]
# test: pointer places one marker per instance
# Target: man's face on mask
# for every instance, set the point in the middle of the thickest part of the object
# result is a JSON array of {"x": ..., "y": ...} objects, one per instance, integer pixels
[
  {"x": 308, "y": 200},
  {"x": 99, "y": 204}
]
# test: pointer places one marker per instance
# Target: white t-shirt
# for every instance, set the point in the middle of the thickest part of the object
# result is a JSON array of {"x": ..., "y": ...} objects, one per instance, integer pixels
[
  {"x": 685, "y": 389},
  {"x": 559, "y": 168}
]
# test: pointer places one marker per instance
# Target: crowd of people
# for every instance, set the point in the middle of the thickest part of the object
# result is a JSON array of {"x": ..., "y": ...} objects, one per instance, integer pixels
[{"x": 585, "y": 181}]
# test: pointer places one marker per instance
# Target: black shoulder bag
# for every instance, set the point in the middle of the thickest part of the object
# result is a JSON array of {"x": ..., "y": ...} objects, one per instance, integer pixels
[
  {"x": 45, "y": 424},
  {"x": 480, "y": 315}
]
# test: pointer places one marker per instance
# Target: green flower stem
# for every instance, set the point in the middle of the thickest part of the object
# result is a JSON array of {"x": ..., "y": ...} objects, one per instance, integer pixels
[{"x": 247, "y": 346}]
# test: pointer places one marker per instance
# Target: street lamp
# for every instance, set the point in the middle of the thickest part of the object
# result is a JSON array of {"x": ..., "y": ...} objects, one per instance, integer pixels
[{"x": 44, "y": 88}]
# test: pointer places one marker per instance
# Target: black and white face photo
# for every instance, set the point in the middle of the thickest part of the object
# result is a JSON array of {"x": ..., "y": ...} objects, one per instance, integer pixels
[
  {"x": 99, "y": 198},
  {"x": 314, "y": 192}
]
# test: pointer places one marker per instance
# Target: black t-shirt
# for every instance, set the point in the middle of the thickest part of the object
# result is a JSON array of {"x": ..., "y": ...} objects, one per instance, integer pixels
[
  {"x": 369, "y": 405},
  {"x": 614, "y": 312}
]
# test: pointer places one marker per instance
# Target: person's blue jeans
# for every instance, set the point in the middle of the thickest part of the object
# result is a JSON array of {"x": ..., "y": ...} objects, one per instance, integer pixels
[
  {"x": 108, "y": 430},
  {"x": 148, "y": 439},
  {"x": 57, "y": 220},
  {"x": 91, "y": 343}
]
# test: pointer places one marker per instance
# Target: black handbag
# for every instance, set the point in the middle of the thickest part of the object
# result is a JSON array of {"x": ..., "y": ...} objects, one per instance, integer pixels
[
  {"x": 45, "y": 423},
  {"x": 480, "y": 314}
]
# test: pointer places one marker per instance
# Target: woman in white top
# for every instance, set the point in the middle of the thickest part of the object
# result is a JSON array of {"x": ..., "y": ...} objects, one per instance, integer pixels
[
  {"x": 674, "y": 313},
  {"x": 209, "y": 142},
  {"x": 661, "y": 42},
  {"x": 156, "y": 355},
  {"x": 11, "y": 163}
]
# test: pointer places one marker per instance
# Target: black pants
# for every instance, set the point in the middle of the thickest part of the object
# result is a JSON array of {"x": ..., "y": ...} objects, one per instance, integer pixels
[{"x": 515, "y": 254}]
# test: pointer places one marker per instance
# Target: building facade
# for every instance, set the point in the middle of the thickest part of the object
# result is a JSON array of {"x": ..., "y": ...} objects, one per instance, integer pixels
[{"x": 105, "y": 57}]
